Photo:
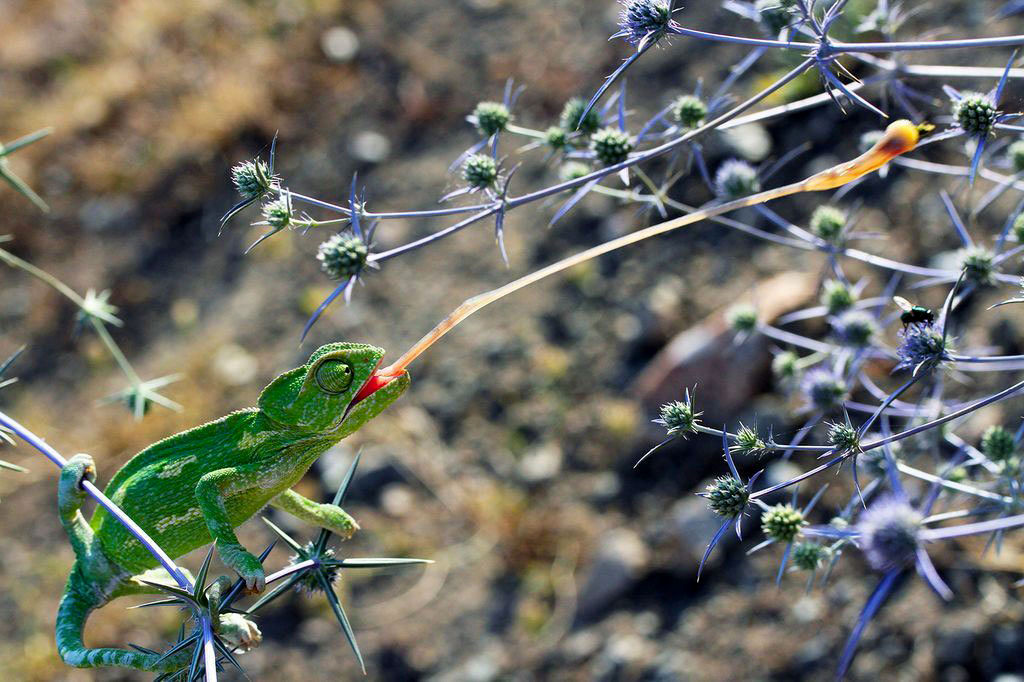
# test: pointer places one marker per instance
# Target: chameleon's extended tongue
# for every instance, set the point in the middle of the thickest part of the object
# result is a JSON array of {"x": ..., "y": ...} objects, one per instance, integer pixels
[
  {"x": 375, "y": 383},
  {"x": 900, "y": 137}
]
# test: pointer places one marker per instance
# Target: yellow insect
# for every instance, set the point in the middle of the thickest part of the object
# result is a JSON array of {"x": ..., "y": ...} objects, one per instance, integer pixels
[{"x": 900, "y": 137}]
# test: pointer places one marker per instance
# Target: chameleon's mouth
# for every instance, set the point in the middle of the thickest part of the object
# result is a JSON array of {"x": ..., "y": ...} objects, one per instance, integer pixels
[{"x": 377, "y": 381}]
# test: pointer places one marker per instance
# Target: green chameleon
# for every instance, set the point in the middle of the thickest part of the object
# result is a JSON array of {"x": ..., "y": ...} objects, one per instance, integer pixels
[{"x": 198, "y": 485}]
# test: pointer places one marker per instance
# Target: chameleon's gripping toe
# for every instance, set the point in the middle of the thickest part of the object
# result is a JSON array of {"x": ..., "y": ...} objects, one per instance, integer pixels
[
  {"x": 245, "y": 564},
  {"x": 70, "y": 494}
]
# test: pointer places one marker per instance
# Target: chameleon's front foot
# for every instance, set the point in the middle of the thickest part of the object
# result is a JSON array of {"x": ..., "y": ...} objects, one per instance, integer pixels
[{"x": 245, "y": 564}]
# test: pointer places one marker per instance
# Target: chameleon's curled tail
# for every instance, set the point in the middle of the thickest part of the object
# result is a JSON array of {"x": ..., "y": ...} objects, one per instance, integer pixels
[{"x": 79, "y": 600}]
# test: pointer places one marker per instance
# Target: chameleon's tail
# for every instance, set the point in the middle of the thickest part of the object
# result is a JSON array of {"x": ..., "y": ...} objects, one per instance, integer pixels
[{"x": 79, "y": 600}]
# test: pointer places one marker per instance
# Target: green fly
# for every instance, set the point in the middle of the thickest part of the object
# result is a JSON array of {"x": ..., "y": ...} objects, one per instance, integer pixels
[{"x": 913, "y": 314}]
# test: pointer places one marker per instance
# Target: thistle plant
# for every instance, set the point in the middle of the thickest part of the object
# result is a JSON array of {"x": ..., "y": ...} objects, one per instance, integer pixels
[
  {"x": 11, "y": 178},
  {"x": 872, "y": 360},
  {"x": 869, "y": 348},
  {"x": 96, "y": 312}
]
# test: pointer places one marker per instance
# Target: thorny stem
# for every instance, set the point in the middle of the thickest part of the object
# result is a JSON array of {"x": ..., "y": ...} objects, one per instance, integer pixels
[
  {"x": 69, "y": 293},
  {"x": 1002, "y": 395},
  {"x": 952, "y": 485},
  {"x": 768, "y": 446},
  {"x": 115, "y": 352}
]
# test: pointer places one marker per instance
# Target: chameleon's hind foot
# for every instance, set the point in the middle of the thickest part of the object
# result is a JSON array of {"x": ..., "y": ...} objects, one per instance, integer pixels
[
  {"x": 70, "y": 494},
  {"x": 238, "y": 632}
]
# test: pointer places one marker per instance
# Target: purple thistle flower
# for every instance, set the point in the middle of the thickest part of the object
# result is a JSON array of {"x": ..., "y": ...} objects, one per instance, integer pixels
[
  {"x": 923, "y": 347},
  {"x": 823, "y": 389},
  {"x": 854, "y": 328},
  {"x": 888, "y": 533},
  {"x": 736, "y": 179},
  {"x": 642, "y": 21}
]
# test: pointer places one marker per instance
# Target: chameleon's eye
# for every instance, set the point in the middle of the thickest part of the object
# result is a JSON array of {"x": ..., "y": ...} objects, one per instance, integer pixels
[{"x": 334, "y": 376}]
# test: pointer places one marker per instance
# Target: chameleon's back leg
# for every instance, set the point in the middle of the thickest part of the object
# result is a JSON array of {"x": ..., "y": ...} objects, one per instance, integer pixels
[
  {"x": 82, "y": 594},
  {"x": 81, "y": 598}
]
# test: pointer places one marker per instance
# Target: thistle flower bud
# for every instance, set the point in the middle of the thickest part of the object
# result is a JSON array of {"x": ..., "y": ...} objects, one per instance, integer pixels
[
  {"x": 309, "y": 582},
  {"x": 611, "y": 146},
  {"x": 556, "y": 138},
  {"x": 979, "y": 264},
  {"x": 343, "y": 256},
  {"x": 782, "y": 522},
  {"x": 1016, "y": 155},
  {"x": 727, "y": 496},
  {"x": 642, "y": 18},
  {"x": 688, "y": 111},
  {"x": 807, "y": 556},
  {"x": 679, "y": 417},
  {"x": 736, "y": 179},
  {"x": 480, "y": 171},
  {"x": 774, "y": 16},
  {"x": 836, "y": 296},
  {"x": 1018, "y": 228},
  {"x": 742, "y": 318},
  {"x": 572, "y": 170},
  {"x": 827, "y": 222},
  {"x": 975, "y": 113},
  {"x": 278, "y": 213},
  {"x": 854, "y": 328},
  {"x": 748, "y": 442},
  {"x": 843, "y": 437},
  {"x": 252, "y": 179},
  {"x": 491, "y": 117},
  {"x": 889, "y": 533},
  {"x": 571, "y": 113},
  {"x": 824, "y": 390},
  {"x": 998, "y": 444},
  {"x": 786, "y": 365}
]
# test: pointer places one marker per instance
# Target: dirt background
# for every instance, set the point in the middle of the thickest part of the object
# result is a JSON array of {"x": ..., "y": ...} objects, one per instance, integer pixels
[{"x": 510, "y": 460}]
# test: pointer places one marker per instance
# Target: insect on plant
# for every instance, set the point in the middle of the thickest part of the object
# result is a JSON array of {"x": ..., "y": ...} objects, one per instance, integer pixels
[{"x": 913, "y": 314}]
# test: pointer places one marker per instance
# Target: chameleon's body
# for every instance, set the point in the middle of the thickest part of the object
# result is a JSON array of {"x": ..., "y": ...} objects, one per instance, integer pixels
[{"x": 198, "y": 485}]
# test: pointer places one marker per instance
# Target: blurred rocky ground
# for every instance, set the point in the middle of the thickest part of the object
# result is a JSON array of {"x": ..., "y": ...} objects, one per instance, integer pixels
[{"x": 510, "y": 462}]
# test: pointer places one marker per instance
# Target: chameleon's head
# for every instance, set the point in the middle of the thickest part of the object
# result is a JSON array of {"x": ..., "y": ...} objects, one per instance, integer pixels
[{"x": 338, "y": 385}]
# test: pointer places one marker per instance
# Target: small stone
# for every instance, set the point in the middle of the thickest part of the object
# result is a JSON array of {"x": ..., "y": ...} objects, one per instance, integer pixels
[
  {"x": 234, "y": 365},
  {"x": 617, "y": 564},
  {"x": 339, "y": 44},
  {"x": 542, "y": 464},
  {"x": 370, "y": 146}
]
